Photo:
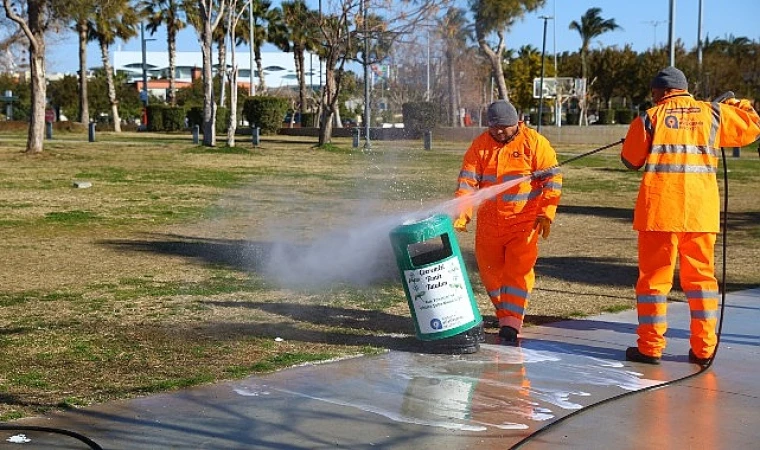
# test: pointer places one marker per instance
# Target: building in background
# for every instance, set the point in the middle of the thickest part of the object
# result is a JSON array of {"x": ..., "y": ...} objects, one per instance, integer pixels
[{"x": 278, "y": 67}]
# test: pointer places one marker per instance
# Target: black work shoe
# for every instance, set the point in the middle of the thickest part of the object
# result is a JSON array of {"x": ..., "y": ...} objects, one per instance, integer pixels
[
  {"x": 633, "y": 354},
  {"x": 694, "y": 359},
  {"x": 508, "y": 335}
]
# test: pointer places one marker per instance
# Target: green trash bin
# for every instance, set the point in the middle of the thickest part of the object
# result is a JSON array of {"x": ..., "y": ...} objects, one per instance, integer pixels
[{"x": 435, "y": 278}]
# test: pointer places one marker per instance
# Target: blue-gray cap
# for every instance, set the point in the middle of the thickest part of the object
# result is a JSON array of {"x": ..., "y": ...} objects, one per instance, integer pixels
[
  {"x": 670, "y": 78},
  {"x": 501, "y": 113}
]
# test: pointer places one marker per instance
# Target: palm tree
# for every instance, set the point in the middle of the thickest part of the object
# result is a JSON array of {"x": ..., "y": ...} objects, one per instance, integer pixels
[
  {"x": 169, "y": 13},
  {"x": 112, "y": 20},
  {"x": 262, "y": 11},
  {"x": 297, "y": 34},
  {"x": 455, "y": 31},
  {"x": 591, "y": 26}
]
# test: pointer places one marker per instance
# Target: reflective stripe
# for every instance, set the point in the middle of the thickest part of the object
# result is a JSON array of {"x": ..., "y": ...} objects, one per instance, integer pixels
[
  {"x": 678, "y": 168},
  {"x": 651, "y": 298},
  {"x": 523, "y": 197},
  {"x": 488, "y": 178},
  {"x": 652, "y": 320},
  {"x": 469, "y": 175},
  {"x": 553, "y": 185},
  {"x": 715, "y": 124},
  {"x": 684, "y": 149},
  {"x": 701, "y": 294},
  {"x": 647, "y": 124},
  {"x": 466, "y": 187},
  {"x": 508, "y": 290},
  {"x": 505, "y": 306},
  {"x": 505, "y": 178},
  {"x": 545, "y": 173},
  {"x": 705, "y": 314}
]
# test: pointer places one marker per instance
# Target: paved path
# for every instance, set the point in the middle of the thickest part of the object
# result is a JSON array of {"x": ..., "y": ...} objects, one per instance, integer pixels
[{"x": 489, "y": 400}]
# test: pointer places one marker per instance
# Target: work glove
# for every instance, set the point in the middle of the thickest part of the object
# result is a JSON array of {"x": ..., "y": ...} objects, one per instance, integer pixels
[
  {"x": 543, "y": 226},
  {"x": 461, "y": 223}
]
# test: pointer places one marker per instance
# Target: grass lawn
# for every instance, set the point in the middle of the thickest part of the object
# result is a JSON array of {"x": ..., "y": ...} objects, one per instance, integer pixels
[{"x": 182, "y": 265}]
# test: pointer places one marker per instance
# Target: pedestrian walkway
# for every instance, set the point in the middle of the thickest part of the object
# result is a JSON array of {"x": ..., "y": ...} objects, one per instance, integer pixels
[{"x": 493, "y": 399}]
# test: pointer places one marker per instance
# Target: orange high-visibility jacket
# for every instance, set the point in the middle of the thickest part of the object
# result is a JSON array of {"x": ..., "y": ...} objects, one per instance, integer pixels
[
  {"x": 487, "y": 163},
  {"x": 677, "y": 142}
]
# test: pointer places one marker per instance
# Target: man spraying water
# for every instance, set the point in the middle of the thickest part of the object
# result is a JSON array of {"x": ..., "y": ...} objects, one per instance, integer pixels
[{"x": 508, "y": 225}]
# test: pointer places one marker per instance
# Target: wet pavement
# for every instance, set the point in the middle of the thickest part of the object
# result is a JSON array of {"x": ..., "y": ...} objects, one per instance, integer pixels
[{"x": 493, "y": 399}]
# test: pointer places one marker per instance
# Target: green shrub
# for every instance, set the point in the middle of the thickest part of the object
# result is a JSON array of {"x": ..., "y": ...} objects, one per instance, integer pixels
[
  {"x": 195, "y": 117},
  {"x": 606, "y": 117},
  {"x": 624, "y": 116},
  {"x": 420, "y": 117},
  {"x": 155, "y": 117},
  {"x": 173, "y": 118},
  {"x": 266, "y": 113}
]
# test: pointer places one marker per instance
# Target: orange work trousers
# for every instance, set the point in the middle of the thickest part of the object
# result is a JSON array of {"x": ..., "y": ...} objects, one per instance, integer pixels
[
  {"x": 657, "y": 260},
  {"x": 505, "y": 260}
]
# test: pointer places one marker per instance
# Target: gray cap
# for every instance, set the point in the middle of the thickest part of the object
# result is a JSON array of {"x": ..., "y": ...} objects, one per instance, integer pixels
[
  {"x": 502, "y": 113},
  {"x": 670, "y": 78}
]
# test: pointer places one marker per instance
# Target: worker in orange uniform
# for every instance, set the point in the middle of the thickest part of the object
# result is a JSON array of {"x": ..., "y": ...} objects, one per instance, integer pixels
[
  {"x": 677, "y": 212},
  {"x": 508, "y": 225}
]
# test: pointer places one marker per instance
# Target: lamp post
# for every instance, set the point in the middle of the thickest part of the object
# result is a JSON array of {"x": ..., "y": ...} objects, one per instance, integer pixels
[
  {"x": 367, "y": 145},
  {"x": 144, "y": 93},
  {"x": 541, "y": 84},
  {"x": 671, "y": 33},
  {"x": 251, "y": 86}
]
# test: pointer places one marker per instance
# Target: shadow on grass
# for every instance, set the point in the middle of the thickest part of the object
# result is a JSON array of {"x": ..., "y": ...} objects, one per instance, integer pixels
[{"x": 286, "y": 264}]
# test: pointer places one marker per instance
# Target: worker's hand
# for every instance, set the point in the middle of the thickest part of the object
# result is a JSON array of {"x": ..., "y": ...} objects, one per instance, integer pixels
[
  {"x": 543, "y": 226},
  {"x": 461, "y": 223}
]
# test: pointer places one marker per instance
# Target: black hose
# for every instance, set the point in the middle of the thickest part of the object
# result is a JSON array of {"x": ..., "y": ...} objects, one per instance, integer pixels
[
  {"x": 92, "y": 444},
  {"x": 704, "y": 368}
]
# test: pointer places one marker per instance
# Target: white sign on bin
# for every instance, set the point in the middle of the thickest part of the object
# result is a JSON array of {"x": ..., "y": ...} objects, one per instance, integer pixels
[{"x": 440, "y": 297}]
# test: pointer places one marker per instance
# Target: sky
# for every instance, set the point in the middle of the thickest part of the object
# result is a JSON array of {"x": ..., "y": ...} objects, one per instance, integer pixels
[{"x": 643, "y": 23}]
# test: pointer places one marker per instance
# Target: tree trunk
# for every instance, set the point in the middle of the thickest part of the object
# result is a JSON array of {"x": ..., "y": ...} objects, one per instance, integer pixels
[
  {"x": 84, "y": 109},
  {"x": 34, "y": 143},
  {"x": 221, "y": 71},
  {"x": 262, "y": 82},
  {"x": 300, "y": 72},
  {"x": 172, "y": 43},
  {"x": 209, "y": 107},
  {"x": 495, "y": 57},
  {"x": 111, "y": 87},
  {"x": 329, "y": 105},
  {"x": 232, "y": 125}
]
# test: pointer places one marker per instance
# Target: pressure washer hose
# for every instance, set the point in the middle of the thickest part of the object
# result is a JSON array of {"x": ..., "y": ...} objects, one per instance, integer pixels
[{"x": 704, "y": 368}]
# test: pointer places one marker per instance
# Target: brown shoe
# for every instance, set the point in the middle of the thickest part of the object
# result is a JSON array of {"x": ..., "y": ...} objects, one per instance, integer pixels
[
  {"x": 633, "y": 354},
  {"x": 694, "y": 359}
]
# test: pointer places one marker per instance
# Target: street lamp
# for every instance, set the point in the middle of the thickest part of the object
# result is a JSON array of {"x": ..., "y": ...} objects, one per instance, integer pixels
[
  {"x": 367, "y": 145},
  {"x": 144, "y": 93},
  {"x": 251, "y": 87},
  {"x": 541, "y": 84}
]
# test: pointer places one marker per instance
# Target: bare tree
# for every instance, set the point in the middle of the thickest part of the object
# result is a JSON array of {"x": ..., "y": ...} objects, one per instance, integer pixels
[
  {"x": 344, "y": 36},
  {"x": 205, "y": 15},
  {"x": 496, "y": 17},
  {"x": 34, "y": 18}
]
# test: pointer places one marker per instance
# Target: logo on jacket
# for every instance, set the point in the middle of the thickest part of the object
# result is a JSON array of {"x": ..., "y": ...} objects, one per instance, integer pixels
[{"x": 671, "y": 122}]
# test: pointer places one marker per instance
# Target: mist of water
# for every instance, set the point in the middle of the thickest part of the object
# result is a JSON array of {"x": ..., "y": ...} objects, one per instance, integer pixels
[{"x": 359, "y": 254}]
